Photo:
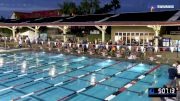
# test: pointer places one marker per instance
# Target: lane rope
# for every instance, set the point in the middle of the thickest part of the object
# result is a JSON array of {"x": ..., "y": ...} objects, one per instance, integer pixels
[
  {"x": 129, "y": 84},
  {"x": 98, "y": 82},
  {"x": 47, "y": 77},
  {"x": 63, "y": 82},
  {"x": 38, "y": 72}
]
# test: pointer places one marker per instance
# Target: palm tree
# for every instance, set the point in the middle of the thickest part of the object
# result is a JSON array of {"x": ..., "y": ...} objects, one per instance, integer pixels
[
  {"x": 115, "y": 4},
  {"x": 95, "y": 5},
  {"x": 107, "y": 8},
  {"x": 2, "y": 18},
  {"x": 68, "y": 8},
  {"x": 85, "y": 7},
  {"x": 89, "y": 6}
]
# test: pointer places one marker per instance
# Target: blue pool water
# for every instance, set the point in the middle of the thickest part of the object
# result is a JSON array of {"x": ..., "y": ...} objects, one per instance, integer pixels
[{"x": 29, "y": 76}]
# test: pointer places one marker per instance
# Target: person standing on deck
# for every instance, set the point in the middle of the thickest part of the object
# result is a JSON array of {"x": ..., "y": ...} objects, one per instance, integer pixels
[
  {"x": 20, "y": 42},
  {"x": 28, "y": 42},
  {"x": 172, "y": 75},
  {"x": 178, "y": 73}
]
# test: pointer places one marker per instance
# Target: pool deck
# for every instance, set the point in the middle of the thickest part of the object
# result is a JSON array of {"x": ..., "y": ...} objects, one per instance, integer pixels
[
  {"x": 166, "y": 57},
  {"x": 163, "y": 57},
  {"x": 156, "y": 99},
  {"x": 2, "y": 50}
]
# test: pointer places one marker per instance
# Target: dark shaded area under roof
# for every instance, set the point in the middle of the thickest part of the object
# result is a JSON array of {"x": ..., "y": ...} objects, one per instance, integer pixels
[
  {"x": 148, "y": 16},
  {"x": 87, "y": 18}
]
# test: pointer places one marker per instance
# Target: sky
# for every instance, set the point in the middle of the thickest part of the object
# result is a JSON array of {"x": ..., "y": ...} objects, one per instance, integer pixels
[{"x": 8, "y": 6}]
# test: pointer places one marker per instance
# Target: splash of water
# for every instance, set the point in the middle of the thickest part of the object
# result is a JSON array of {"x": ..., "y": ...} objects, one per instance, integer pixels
[
  {"x": 1, "y": 62},
  {"x": 52, "y": 71},
  {"x": 93, "y": 79},
  {"x": 37, "y": 62},
  {"x": 24, "y": 67}
]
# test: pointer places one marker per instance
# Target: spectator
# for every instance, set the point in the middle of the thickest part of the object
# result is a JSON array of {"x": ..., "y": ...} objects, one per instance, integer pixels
[
  {"x": 20, "y": 42},
  {"x": 172, "y": 74},
  {"x": 178, "y": 72},
  {"x": 28, "y": 42}
]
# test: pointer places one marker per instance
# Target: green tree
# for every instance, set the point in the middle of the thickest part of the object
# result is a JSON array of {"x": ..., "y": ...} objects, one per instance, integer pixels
[
  {"x": 95, "y": 5},
  {"x": 89, "y": 6},
  {"x": 69, "y": 8},
  {"x": 115, "y": 4},
  {"x": 107, "y": 8},
  {"x": 85, "y": 7},
  {"x": 2, "y": 18}
]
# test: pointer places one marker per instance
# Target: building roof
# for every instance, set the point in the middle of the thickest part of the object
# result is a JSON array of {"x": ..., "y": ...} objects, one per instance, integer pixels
[
  {"x": 135, "y": 19},
  {"x": 38, "y": 14},
  {"x": 17, "y": 20},
  {"x": 178, "y": 19},
  {"x": 48, "y": 19},
  {"x": 147, "y": 16},
  {"x": 87, "y": 18}
]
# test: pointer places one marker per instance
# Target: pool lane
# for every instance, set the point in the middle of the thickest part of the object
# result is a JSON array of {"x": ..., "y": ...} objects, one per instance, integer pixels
[
  {"x": 38, "y": 79},
  {"x": 98, "y": 84},
  {"x": 74, "y": 83},
  {"x": 41, "y": 64},
  {"x": 5, "y": 93},
  {"x": 131, "y": 83},
  {"x": 40, "y": 71},
  {"x": 130, "y": 96},
  {"x": 157, "y": 80},
  {"x": 60, "y": 83},
  {"x": 89, "y": 61}
]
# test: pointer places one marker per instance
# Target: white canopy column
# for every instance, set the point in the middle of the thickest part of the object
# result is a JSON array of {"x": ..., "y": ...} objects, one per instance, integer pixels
[
  {"x": 64, "y": 29},
  {"x": 156, "y": 29},
  {"x": 13, "y": 29},
  {"x": 103, "y": 31},
  {"x": 36, "y": 30}
]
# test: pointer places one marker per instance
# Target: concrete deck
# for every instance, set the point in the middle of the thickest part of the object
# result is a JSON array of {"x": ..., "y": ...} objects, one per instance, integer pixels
[{"x": 2, "y": 50}]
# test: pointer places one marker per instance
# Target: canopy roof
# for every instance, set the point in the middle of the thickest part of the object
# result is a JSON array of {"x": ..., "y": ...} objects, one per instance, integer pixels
[
  {"x": 148, "y": 16},
  {"x": 165, "y": 18},
  {"x": 178, "y": 19}
]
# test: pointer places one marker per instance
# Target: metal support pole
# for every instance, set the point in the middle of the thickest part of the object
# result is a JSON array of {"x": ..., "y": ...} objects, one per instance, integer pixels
[
  {"x": 130, "y": 39},
  {"x": 65, "y": 28},
  {"x": 126, "y": 38},
  {"x": 156, "y": 29},
  {"x": 139, "y": 39},
  {"x": 36, "y": 30},
  {"x": 103, "y": 31},
  {"x": 143, "y": 38},
  {"x": 14, "y": 31}
]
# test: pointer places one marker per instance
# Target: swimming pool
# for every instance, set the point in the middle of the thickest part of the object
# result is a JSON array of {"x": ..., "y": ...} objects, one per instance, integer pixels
[{"x": 40, "y": 76}]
